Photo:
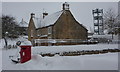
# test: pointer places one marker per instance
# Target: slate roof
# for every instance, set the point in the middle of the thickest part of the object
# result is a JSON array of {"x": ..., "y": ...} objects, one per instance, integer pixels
[{"x": 48, "y": 20}]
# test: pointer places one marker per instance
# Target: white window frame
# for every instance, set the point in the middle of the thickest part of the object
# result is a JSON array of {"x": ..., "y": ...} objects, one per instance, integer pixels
[{"x": 50, "y": 30}]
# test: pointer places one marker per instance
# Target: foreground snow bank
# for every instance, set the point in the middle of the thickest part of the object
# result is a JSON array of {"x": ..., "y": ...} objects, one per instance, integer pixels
[
  {"x": 108, "y": 61},
  {"x": 95, "y": 62},
  {"x": 2, "y": 43}
]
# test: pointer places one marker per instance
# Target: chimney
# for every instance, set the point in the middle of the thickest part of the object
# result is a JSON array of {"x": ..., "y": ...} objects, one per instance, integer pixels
[
  {"x": 44, "y": 14},
  {"x": 65, "y": 6},
  {"x": 32, "y": 15}
]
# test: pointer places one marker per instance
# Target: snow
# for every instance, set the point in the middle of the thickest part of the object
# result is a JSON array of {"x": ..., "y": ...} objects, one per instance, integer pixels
[
  {"x": 56, "y": 49},
  {"x": 48, "y": 20},
  {"x": 105, "y": 31},
  {"x": 26, "y": 42},
  {"x": 48, "y": 40},
  {"x": 44, "y": 36},
  {"x": 51, "y": 19},
  {"x": 103, "y": 36},
  {"x": 108, "y": 61},
  {"x": 95, "y": 62},
  {"x": 23, "y": 24},
  {"x": 37, "y": 22},
  {"x": 2, "y": 43},
  {"x": 0, "y": 59},
  {"x": 12, "y": 41}
]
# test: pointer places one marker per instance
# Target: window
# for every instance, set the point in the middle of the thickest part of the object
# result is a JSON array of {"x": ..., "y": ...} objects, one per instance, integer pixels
[
  {"x": 38, "y": 33},
  {"x": 31, "y": 33},
  {"x": 49, "y": 30}
]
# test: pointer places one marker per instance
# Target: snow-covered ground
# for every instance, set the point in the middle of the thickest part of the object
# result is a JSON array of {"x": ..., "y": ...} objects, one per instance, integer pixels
[
  {"x": 108, "y": 61},
  {"x": 11, "y": 41},
  {"x": 0, "y": 59},
  {"x": 1, "y": 54}
]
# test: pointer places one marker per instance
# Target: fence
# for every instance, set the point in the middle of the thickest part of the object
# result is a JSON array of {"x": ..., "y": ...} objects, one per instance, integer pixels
[{"x": 51, "y": 42}]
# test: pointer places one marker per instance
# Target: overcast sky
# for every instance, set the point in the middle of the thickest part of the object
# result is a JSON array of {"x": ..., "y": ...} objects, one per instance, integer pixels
[{"x": 82, "y": 11}]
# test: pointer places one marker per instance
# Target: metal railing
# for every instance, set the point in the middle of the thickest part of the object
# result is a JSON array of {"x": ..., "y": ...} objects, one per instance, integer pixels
[{"x": 62, "y": 41}]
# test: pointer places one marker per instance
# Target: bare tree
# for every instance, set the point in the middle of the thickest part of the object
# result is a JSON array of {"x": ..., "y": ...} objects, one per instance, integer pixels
[
  {"x": 8, "y": 27},
  {"x": 111, "y": 21}
]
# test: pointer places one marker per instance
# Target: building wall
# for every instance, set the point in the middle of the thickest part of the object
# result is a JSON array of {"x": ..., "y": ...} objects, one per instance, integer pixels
[
  {"x": 68, "y": 28},
  {"x": 32, "y": 34},
  {"x": 42, "y": 31}
]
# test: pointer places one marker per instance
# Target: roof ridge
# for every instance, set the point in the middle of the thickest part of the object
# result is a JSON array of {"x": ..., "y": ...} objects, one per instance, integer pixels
[
  {"x": 49, "y": 19},
  {"x": 53, "y": 13}
]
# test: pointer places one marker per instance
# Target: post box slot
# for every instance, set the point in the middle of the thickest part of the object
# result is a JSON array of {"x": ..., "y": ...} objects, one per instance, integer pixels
[{"x": 23, "y": 48}]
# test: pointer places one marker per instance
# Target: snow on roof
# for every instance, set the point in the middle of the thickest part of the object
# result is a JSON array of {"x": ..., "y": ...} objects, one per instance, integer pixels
[
  {"x": 90, "y": 30},
  {"x": 25, "y": 42},
  {"x": 48, "y": 20},
  {"x": 51, "y": 19},
  {"x": 23, "y": 24},
  {"x": 37, "y": 22}
]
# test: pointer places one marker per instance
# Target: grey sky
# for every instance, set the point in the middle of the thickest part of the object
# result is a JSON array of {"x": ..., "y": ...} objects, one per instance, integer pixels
[{"x": 82, "y": 11}]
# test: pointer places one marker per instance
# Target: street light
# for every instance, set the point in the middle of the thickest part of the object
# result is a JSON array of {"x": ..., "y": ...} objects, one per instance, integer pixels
[
  {"x": 112, "y": 33},
  {"x": 6, "y": 33}
]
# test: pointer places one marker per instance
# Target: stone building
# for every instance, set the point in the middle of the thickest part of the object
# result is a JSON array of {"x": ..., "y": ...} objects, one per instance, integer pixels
[{"x": 59, "y": 25}]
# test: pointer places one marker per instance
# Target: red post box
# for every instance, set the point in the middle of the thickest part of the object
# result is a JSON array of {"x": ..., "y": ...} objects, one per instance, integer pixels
[{"x": 25, "y": 53}]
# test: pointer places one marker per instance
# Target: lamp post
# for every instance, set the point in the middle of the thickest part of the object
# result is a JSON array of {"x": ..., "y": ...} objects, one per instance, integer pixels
[
  {"x": 6, "y": 33},
  {"x": 112, "y": 34}
]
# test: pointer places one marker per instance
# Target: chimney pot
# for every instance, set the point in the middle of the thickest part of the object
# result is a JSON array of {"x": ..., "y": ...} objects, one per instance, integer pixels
[
  {"x": 65, "y": 6},
  {"x": 44, "y": 14},
  {"x": 32, "y": 15}
]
